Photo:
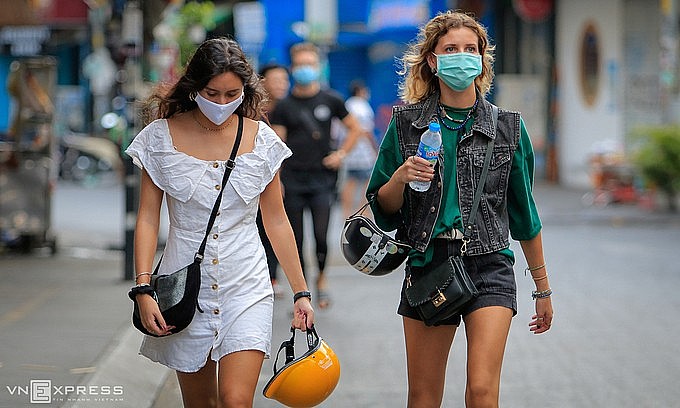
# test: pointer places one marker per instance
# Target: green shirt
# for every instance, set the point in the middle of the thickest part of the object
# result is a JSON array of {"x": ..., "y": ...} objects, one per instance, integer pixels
[{"x": 522, "y": 213}]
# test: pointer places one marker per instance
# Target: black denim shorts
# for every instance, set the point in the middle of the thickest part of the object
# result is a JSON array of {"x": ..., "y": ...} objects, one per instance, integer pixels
[{"x": 493, "y": 275}]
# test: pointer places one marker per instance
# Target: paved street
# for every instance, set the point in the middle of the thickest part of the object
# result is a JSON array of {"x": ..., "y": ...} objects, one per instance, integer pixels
[{"x": 613, "y": 344}]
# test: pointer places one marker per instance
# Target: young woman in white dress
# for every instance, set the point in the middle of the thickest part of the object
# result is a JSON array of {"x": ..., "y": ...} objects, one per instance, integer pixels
[{"x": 182, "y": 153}]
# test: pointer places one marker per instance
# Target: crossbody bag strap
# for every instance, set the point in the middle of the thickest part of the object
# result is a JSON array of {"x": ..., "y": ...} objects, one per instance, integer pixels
[
  {"x": 482, "y": 179},
  {"x": 230, "y": 166}
]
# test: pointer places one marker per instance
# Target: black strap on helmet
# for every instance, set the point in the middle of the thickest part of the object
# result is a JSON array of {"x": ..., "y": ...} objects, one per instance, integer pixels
[{"x": 289, "y": 346}]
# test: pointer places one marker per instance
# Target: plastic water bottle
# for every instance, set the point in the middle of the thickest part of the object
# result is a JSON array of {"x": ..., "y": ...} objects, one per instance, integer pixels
[{"x": 428, "y": 149}]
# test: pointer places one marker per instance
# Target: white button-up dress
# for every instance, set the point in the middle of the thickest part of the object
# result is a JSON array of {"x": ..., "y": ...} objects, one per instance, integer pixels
[{"x": 236, "y": 294}]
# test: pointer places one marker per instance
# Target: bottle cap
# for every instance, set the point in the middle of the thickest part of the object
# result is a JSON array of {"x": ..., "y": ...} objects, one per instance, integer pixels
[{"x": 434, "y": 127}]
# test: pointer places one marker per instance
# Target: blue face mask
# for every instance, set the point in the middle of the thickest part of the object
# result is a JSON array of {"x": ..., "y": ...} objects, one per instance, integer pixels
[
  {"x": 305, "y": 74},
  {"x": 459, "y": 70}
]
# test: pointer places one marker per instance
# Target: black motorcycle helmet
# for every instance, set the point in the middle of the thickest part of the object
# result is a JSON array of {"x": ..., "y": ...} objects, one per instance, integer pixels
[{"x": 369, "y": 249}]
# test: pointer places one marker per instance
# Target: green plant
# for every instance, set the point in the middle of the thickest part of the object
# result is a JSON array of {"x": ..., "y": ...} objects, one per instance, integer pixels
[
  {"x": 656, "y": 154},
  {"x": 199, "y": 13},
  {"x": 194, "y": 17}
]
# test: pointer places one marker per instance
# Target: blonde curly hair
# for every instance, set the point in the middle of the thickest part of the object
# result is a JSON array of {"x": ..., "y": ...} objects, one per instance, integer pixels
[{"x": 419, "y": 81}]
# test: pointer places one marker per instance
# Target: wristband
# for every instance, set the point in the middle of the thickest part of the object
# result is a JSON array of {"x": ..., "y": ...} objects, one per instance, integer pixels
[
  {"x": 143, "y": 288},
  {"x": 302, "y": 294}
]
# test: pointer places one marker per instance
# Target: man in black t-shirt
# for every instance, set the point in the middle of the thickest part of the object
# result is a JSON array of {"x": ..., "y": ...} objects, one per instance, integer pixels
[{"x": 303, "y": 121}]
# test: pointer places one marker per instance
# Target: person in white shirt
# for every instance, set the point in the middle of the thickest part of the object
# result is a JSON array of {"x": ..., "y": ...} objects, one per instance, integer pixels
[
  {"x": 359, "y": 161},
  {"x": 183, "y": 154}
]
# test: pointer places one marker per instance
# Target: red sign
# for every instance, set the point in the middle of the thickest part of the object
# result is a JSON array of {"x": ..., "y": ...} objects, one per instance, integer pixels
[
  {"x": 65, "y": 11},
  {"x": 533, "y": 11},
  {"x": 44, "y": 12}
]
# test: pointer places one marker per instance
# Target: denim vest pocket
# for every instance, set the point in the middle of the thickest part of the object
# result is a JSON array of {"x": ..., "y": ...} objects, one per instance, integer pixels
[{"x": 499, "y": 173}]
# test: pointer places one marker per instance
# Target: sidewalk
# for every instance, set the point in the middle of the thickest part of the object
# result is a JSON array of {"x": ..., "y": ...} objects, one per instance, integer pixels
[
  {"x": 361, "y": 325},
  {"x": 64, "y": 323},
  {"x": 560, "y": 205}
]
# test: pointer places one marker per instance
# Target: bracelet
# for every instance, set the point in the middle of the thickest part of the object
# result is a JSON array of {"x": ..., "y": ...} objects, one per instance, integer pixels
[
  {"x": 304, "y": 293},
  {"x": 535, "y": 268},
  {"x": 540, "y": 278},
  {"x": 541, "y": 294},
  {"x": 142, "y": 288},
  {"x": 142, "y": 274}
]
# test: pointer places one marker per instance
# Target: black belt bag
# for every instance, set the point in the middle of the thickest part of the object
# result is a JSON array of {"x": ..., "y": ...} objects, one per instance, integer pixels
[
  {"x": 177, "y": 293},
  {"x": 445, "y": 290}
]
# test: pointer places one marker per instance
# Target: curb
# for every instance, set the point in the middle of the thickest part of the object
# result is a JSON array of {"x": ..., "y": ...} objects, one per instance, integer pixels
[{"x": 121, "y": 365}]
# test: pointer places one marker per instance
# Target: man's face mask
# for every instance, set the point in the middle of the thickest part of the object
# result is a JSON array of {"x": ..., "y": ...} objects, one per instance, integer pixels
[
  {"x": 305, "y": 74},
  {"x": 459, "y": 70}
]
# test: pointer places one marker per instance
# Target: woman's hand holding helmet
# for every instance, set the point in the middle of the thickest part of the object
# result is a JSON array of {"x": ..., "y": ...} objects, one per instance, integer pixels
[{"x": 303, "y": 313}]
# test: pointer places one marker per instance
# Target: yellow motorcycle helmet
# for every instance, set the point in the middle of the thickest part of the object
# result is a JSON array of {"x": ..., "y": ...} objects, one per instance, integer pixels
[{"x": 305, "y": 381}]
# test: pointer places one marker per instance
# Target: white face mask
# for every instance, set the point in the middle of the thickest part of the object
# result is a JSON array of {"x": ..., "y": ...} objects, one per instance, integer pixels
[{"x": 215, "y": 112}]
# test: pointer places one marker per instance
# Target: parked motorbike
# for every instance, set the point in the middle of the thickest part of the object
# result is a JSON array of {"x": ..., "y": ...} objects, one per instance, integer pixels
[{"x": 86, "y": 159}]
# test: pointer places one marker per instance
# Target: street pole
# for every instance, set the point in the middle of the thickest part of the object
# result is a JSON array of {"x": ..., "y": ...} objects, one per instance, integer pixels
[
  {"x": 131, "y": 182},
  {"x": 132, "y": 35}
]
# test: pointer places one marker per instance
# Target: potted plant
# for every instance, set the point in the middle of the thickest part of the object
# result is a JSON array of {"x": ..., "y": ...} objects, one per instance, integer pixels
[{"x": 656, "y": 155}]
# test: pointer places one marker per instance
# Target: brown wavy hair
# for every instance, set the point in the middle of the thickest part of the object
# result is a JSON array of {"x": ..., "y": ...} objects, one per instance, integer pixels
[
  {"x": 419, "y": 81},
  {"x": 213, "y": 57}
]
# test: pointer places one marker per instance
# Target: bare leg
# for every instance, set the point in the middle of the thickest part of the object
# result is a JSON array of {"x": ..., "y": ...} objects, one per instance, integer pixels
[
  {"x": 238, "y": 375},
  {"x": 348, "y": 193},
  {"x": 199, "y": 389},
  {"x": 352, "y": 189},
  {"x": 487, "y": 333},
  {"x": 427, "y": 353}
]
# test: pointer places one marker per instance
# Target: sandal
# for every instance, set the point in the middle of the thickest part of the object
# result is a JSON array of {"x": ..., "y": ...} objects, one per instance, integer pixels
[{"x": 322, "y": 298}]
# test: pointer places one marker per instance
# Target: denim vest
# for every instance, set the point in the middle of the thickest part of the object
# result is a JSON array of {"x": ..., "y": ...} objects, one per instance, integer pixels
[{"x": 490, "y": 230}]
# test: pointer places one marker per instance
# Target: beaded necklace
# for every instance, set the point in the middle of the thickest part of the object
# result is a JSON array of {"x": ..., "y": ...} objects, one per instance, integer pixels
[{"x": 462, "y": 122}]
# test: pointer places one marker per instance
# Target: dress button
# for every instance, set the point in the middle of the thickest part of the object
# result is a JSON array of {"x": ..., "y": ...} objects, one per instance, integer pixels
[
  {"x": 432, "y": 210},
  {"x": 215, "y": 236},
  {"x": 218, "y": 187},
  {"x": 214, "y": 286},
  {"x": 423, "y": 235},
  {"x": 216, "y": 261},
  {"x": 216, "y": 165},
  {"x": 216, "y": 311}
]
